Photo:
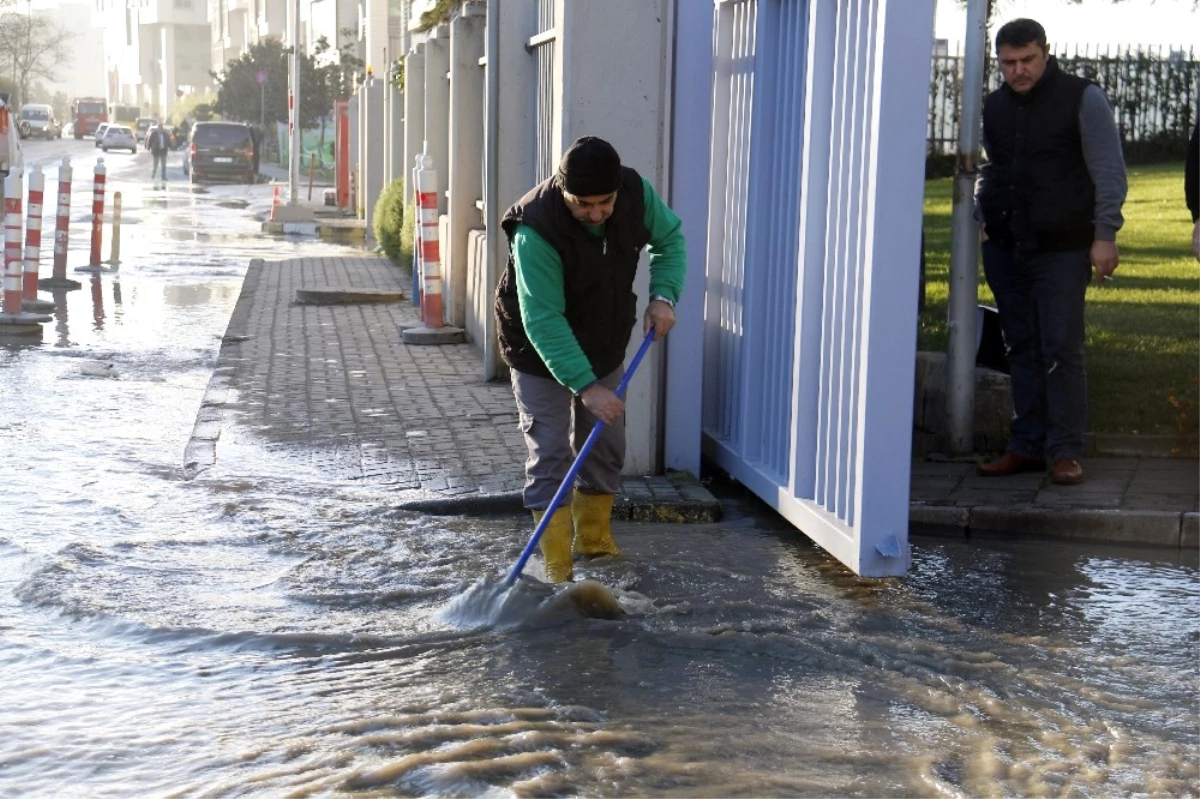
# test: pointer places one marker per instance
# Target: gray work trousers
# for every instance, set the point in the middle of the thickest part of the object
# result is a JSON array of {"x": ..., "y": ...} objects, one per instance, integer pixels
[{"x": 556, "y": 425}]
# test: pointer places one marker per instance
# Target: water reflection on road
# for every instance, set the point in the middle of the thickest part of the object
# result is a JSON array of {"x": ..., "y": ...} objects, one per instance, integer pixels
[{"x": 274, "y": 632}]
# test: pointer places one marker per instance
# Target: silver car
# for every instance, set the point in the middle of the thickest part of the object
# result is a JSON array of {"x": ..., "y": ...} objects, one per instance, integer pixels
[{"x": 119, "y": 137}]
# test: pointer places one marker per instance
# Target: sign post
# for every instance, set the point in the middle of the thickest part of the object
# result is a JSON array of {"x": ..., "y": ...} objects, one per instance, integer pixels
[{"x": 260, "y": 78}]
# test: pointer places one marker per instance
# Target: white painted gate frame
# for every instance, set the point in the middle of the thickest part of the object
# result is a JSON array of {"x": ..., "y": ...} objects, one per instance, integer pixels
[{"x": 851, "y": 407}]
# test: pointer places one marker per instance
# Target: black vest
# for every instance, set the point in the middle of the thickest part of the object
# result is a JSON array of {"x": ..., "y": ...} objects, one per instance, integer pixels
[
  {"x": 1037, "y": 193},
  {"x": 598, "y": 273}
]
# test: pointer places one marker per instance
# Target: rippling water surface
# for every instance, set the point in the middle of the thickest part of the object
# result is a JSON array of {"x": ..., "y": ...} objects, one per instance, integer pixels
[{"x": 274, "y": 633}]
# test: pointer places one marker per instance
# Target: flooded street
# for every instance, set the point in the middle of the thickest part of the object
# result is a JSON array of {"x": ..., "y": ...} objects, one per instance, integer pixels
[{"x": 274, "y": 632}]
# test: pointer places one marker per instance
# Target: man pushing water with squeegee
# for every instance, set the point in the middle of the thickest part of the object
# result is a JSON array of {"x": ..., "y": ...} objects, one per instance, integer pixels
[{"x": 565, "y": 311}]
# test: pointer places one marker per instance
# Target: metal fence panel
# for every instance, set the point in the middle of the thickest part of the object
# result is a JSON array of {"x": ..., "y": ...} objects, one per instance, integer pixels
[
  {"x": 543, "y": 46},
  {"x": 813, "y": 198},
  {"x": 1153, "y": 91}
]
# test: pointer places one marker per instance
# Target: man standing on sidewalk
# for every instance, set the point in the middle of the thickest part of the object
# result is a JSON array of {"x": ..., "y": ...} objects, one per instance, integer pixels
[
  {"x": 159, "y": 143},
  {"x": 1049, "y": 202},
  {"x": 565, "y": 311},
  {"x": 1191, "y": 186}
]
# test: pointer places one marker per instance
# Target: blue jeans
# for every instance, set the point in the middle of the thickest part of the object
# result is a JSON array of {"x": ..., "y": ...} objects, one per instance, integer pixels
[
  {"x": 1040, "y": 296},
  {"x": 160, "y": 158}
]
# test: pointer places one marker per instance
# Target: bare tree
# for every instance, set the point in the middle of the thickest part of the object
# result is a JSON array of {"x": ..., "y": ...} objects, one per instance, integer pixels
[{"x": 33, "y": 46}]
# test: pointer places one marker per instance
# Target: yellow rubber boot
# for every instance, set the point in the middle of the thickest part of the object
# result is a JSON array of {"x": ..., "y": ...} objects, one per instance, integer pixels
[
  {"x": 593, "y": 524},
  {"x": 555, "y": 545}
]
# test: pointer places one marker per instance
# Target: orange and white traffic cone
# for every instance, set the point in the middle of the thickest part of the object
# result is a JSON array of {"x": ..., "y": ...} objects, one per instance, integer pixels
[{"x": 274, "y": 201}]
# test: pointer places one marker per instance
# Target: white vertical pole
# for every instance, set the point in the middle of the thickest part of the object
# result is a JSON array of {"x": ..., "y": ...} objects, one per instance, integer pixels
[
  {"x": 964, "y": 244},
  {"x": 491, "y": 182},
  {"x": 294, "y": 111}
]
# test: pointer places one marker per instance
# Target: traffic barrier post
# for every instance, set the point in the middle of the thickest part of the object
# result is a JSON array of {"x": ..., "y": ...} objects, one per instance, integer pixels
[
  {"x": 14, "y": 296},
  {"x": 100, "y": 176},
  {"x": 431, "y": 261},
  {"x": 62, "y": 229},
  {"x": 114, "y": 257},
  {"x": 33, "y": 243}
]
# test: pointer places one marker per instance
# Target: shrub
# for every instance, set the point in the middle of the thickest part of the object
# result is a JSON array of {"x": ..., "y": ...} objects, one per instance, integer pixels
[{"x": 389, "y": 221}]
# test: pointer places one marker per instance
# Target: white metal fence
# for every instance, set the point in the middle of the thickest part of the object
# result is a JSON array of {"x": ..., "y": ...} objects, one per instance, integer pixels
[
  {"x": 542, "y": 46},
  {"x": 808, "y": 309}
]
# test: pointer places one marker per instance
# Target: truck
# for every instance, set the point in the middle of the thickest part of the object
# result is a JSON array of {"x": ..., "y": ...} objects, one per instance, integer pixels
[
  {"x": 120, "y": 114},
  {"x": 87, "y": 114}
]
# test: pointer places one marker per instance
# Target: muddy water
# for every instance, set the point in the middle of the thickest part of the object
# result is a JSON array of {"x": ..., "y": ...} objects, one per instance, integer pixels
[{"x": 273, "y": 633}]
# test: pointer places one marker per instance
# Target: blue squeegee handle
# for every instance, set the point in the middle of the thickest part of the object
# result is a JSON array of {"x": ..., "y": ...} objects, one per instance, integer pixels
[{"x": 569, "y": 480}]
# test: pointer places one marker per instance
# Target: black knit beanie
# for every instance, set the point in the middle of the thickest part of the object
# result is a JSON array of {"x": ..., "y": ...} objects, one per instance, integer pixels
[{"x": 590, "y": 167}]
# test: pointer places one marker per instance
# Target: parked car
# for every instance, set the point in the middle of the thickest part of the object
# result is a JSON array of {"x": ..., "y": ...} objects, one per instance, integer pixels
[
  {"x": 100, "y": 130},
  {"x": 221, "y": 150},
  {"x": 119, "y": 137},
  {"x": 37, "y": 119}
]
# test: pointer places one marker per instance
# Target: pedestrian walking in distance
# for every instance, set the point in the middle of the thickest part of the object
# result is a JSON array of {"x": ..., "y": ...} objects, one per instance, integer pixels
[
  {"x": 565, "y": 311},
  {"x": 1048, "y": 200},
  {"x": 1191, "y": 186},
  {"x": 160, "y": 145}
]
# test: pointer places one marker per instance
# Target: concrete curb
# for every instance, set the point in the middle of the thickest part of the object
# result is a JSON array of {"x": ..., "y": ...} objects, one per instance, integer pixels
[
  {"x": 1140, "y": 527},
  {"x": 674, "y": 500},
  {"x": 200, "y": 452},
  {"x": 466, "y": 505},
  {"x": 331, "y": 232},
  {"x": 342, "y": 295}
]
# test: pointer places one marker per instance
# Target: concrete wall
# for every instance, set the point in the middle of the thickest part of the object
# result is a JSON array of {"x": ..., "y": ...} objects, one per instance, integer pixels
[
  {"x": 615, "y": 70},
  {"x": 372, "y": 160},
  {"x": 414, "y": 117},
  {"x": 479, "y": 288},
  {"x": 437, "y": 107},
  {"x": 466, "y": 166},
  {"x": 690, "y": 146}
]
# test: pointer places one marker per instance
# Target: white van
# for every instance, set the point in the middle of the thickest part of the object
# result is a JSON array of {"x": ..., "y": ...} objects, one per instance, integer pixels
[{"x": 37, "y": 119}]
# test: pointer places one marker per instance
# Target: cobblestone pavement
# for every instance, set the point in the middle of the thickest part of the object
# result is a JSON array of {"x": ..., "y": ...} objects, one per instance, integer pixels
[{"x": 334, "y": 385}]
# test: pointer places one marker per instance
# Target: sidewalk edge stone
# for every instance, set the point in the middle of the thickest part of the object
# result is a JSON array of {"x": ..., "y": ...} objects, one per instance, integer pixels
[
  {"x": 1189, "y": 536},
  {"x": 1149, "y": 528},
  {"x": 946, "y": 516}
]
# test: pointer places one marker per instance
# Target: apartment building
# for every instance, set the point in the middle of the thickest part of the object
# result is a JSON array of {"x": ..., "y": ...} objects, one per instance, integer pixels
[{"x": 155, "y": 51}]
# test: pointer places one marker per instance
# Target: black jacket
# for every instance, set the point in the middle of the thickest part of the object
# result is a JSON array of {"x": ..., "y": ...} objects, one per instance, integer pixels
[
  {"x": 598, "y": 274},
  {"x": 1036, "y": 192}
]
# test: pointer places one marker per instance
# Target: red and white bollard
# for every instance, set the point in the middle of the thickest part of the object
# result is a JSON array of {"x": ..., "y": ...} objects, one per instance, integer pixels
[
  {"x": 95, "y": 265},
  {"x": 15, "y": 321},
  {"x": 33, "y": 243},
  {"x": 431, "y": 259},
  {"x": 14, "y": 296},
  {"x": 62, "y": 229},
  {"x": 435, "y": 329},
  {"x": 101, "y": 176}
]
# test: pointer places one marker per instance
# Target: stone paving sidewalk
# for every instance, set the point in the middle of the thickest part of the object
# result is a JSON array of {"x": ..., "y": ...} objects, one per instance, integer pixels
[
  {"x": 1129, "y": 500},
  {"x": 334, "y": 387}
]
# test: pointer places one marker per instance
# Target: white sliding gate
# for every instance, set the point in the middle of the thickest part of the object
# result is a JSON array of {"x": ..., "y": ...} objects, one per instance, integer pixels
[{"x": 814, "y": 227}]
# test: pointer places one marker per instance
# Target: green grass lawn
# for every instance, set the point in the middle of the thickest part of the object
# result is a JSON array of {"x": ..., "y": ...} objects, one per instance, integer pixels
[{"x": 1143, "y": 329}]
